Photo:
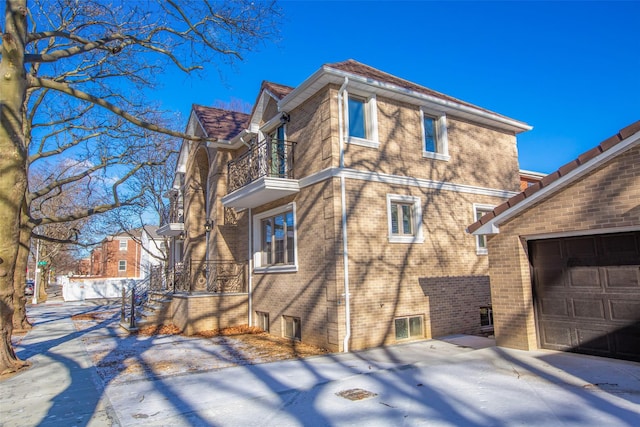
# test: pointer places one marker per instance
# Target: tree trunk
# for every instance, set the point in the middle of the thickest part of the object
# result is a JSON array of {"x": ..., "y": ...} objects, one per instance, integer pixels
[
  {"x": 13, "y": 180},
  {"x": 20, "y": 321},
  {"x": 43, "y": 278}
]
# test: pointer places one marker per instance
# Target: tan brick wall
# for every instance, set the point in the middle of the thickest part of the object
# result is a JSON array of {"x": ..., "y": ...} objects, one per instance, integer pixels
[
  {"x": 390, "y": 280},
  {"x": 480, "y": 156},
  {"x": 604, "y": 200},
  {"x": 309, "y": 294},
  {"x": 195, "y": 196},
  {"x": 197, "y": 313},
  {"x": 387, "y": 280},
  {"x": 441, "y": 279}
]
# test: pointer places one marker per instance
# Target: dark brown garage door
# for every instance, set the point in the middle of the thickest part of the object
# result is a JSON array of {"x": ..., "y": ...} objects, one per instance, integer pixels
[{"x": 587, "y": 294}]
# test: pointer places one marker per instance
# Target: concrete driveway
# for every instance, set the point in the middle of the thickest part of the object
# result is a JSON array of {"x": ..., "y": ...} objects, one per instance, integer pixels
[{"x": 458, "y": 380}]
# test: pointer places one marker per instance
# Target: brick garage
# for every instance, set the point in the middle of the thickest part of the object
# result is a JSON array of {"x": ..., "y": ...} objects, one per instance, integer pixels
[{"x": 565, "y": 262}]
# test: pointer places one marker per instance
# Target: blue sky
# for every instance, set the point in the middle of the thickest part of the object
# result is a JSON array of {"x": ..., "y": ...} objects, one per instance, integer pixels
[{"x": 569, "y": 69}]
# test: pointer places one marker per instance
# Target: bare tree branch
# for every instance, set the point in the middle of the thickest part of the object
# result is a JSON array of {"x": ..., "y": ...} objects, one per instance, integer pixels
[{"x": 64, "y": 88}]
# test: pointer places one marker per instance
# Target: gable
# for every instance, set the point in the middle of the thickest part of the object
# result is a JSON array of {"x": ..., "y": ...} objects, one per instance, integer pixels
[
  {"x": 608, "y": 197},
  {"x": 266, "y": 105},
  {"x": 606, "y": 153}
]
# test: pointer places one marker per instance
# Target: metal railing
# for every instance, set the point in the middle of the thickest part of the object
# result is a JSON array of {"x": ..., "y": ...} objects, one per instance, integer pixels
[
  {"x": 133, "y": 297},
  {"x": 205, "y": 276},
  {"x": 272, "y": 158}
]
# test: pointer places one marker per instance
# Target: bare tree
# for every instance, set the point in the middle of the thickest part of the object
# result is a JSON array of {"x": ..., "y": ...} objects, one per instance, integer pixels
[
  {"x": 151, "y": 208},
  {"x": 76, "y": 81}
]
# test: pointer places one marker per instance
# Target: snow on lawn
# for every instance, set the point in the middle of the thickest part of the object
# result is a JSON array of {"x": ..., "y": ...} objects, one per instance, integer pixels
[{"x": 154, "y": 354}]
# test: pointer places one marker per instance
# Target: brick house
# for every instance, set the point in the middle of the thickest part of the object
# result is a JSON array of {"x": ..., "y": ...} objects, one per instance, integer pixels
[
  {"x": 565, "y": 255},
  {"x": 118, "y": 256},
  {"x": 335, "y": 212}
]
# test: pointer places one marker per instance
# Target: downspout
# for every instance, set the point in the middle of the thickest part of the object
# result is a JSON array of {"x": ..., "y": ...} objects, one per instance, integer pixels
[
  {"x": 250, "y": 272},
  {"x": 343, "y": 201}
]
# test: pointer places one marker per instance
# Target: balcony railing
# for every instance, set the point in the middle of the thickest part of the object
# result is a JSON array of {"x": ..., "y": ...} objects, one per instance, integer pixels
[
  {"x": 269, "y": 158},
  {"x": 207, "y": 276}
]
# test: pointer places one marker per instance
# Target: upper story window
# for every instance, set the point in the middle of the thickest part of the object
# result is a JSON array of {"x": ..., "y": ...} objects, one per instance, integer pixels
[
  {"x": 358, "y": 117},
  {"x": 275, "y": 240},
  {"x": 405, "y": 219},
  {"x": 434, "y": 136},
  {"x": 481, "y": 241},
  {"x": 123, "y": 245},
  {"x": 361, "y": 120}
]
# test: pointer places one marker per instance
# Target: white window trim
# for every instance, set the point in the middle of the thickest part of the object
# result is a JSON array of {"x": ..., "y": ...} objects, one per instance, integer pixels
[
  {"x": 257, "y": 241},
  {"x": 126, "y": 246},
  {"x": 476, "y": 208},
  {"x": 372, "y": 122},
  {"x": 417, "y": 219},
  {"x": 441, "y": 134},
  {"x": 120, "y": 263}
]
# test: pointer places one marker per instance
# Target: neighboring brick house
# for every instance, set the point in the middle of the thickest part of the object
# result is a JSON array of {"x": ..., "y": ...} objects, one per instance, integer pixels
[
  {"x": 118, "y": 256},
  {"x": 565, "y": 255},
  {"x": 335, "y": 212}
]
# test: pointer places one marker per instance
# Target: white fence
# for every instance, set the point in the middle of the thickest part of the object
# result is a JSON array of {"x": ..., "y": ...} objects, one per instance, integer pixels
[{"x": 78, "y": 289}]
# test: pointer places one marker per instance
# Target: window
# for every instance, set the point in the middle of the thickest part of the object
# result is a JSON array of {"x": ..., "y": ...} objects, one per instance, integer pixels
[
  {"x": 123, "y": 245},
  {"x": 361, "y": 120},
  {"x": 405, "y": 219},
  {"x": 262, "y": 320},
  {"x": 275, "y": 240},
  {"x": 292, "y": 328},
  {"x": 408, "y": 327},
  {"x": 486, "y": 317},
  {"x": 434, "y": 136},
  {"x": 481, "y": 241},
  {"x": 122, "y": 265},
  {"x": 357, "y": 117},
  {"x": 402, "y": 219}
]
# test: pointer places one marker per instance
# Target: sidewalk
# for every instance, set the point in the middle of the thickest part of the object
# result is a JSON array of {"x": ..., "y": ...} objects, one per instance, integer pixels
[
  {"x": 61, "y": 387},
  {"x": 460, "y": 380}
]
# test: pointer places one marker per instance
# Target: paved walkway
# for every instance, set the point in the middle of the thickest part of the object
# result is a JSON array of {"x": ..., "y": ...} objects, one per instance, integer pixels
[{"x": 459, "y": 380}]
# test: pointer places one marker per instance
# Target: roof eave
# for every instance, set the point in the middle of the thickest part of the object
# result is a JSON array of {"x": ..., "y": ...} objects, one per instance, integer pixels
[
  {"x": 492, "y": 226},
  {"x": 327, "y": 75}
]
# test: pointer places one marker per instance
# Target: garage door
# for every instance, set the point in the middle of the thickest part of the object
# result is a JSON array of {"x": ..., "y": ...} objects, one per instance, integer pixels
[{"x": 587, "y": 294}]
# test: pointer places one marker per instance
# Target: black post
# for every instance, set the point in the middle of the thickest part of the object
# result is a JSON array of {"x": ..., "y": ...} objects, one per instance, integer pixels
[
  {"x": 124, "y": 301},
  {"x": 132, "y": 319}
]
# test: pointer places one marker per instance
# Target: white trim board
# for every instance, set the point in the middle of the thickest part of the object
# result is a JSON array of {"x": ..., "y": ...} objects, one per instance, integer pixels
[{"x": 402, "y": 180}]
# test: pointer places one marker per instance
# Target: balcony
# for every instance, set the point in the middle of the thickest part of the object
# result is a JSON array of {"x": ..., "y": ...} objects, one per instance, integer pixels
[
  {"x": 174, "y": 225},
  {"x": 261, "y": 175}
]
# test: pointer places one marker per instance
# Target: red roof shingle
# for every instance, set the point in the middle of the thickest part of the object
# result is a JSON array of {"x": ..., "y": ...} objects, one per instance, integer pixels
[
  {"x": 280, "y": 91},
  {"x": 219, "y": 123}
]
